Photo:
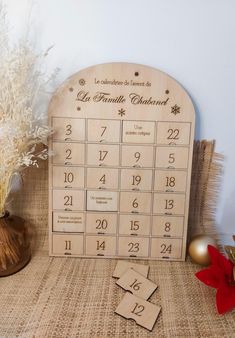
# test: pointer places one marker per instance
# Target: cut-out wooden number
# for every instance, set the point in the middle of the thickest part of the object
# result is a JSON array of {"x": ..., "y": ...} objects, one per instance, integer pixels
[
  {"x": 137, "y": 284},
  {"x": 123, "y": 266},
  {"x": 144, "y": 313}
]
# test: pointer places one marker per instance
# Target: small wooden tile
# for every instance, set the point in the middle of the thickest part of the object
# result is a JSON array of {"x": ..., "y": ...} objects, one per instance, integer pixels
[
  {"x": 102, "y": 200},
  {"x": 68, "y": 177},
  {"x": 102, "y": 178},
  {"x": 103, "y": 155},
  {"x": 101, "y": 223},
  {"x": 68, "y": 129},
  {"x": 173, "y": 133},
  {"x": 136, "y": 179},
  {"x": 137, "y": 156},
  {"x": 137, "y": 284},
  {"x": 123, "y": 266},
  {"x": 103, "y": 130},
  {"x": 166, "y": 248},
  {"x": 135, "y": 202},
  {"x": 68, "y": 221},
  {"x": 68, "y": 153},
  {"x": 171, "y": 204},
  {"x": 170, "y": 180},
  {"x": 134, "y": 225},
  {"x": 68, "y": 200},
  {"x": 144, "y": 313},
  {"x": 138, "y": 132},
  {"x": 168, "y": 226},
  {"x": 67, "y": 244},
  {"x": 133, "y": 246},
  {"x": 100, "y": 245},
  {"x": 172, "y": 157}
]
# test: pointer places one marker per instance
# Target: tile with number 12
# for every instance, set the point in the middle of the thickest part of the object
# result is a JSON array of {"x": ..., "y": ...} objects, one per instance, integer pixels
[{"x": 144, "y": 313}]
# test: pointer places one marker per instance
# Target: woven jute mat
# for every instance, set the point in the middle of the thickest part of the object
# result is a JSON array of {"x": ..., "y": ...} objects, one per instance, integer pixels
[{"x": 73, "y": 297}]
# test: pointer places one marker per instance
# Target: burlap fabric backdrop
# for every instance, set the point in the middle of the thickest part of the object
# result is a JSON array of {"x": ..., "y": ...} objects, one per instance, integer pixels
[{"x": 72, "y": 297}]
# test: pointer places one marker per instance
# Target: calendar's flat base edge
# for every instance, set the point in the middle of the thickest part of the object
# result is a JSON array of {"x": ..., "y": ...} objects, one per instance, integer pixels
[{"x": 119, "y": 257}]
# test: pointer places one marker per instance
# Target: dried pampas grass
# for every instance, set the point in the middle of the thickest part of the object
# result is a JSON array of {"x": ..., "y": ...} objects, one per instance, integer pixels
[{"x": 23, "y": 122}]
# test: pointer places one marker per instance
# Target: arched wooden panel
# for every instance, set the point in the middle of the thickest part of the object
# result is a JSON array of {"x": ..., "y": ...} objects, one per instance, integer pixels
[{"x": 119, "y": 181}]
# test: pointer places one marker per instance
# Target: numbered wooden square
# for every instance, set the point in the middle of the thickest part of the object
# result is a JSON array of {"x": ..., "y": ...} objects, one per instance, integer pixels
[
  {"x": 142, "y": 312},
  {"x": 103, "y": 131},
  {"x": 173, "y": 133},
  {"x": 68, "y": 153},
  {"x": 68, "y": 129},
  {"x": 123, "y": 266},
  {"x": 101, "y": 223},
  {"x": 134, "y": 225},
  {"x": 137, "y": 284},
  {"x": 137, "y": 156},
  {"x": 133, "y": 247},
  {"x": 102, "y": 155},
  {"x": 100, "y": 245}
]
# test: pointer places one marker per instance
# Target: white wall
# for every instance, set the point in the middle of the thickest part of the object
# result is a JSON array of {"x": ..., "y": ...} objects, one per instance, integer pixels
[{"x": 192, "y": 40}]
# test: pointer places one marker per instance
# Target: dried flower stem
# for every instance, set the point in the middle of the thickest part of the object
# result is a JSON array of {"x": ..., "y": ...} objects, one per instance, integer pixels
[{"x": 22, "y": 116}]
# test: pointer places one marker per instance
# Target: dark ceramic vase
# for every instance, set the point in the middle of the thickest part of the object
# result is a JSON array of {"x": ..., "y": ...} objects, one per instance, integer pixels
[{"x": 15, "y": 250}]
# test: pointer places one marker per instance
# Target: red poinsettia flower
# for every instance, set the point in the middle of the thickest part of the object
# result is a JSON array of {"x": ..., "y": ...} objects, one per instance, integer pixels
[{"x": 219, "y": 275}]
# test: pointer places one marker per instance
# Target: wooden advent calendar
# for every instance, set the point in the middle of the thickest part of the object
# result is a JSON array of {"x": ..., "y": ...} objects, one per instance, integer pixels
[{"x": 119, "y": 180}]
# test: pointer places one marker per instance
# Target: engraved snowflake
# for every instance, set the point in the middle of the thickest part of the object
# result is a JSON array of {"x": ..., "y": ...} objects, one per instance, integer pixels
[
  {"x": 121, "y": 112},
  {"x": 175, "y": 109}
]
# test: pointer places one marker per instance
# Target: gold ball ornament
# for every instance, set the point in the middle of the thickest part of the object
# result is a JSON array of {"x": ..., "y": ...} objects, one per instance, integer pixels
[{"x": 198, "y": 249}]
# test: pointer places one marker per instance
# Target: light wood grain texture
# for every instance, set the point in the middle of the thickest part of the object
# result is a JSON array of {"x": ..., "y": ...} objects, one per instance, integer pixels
[
  {"x": 142, "y": 312},
  {"x": 123, "y": 266},
  {"x": 123, "y": 142},
  {"x": 137, "y": 284}
]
